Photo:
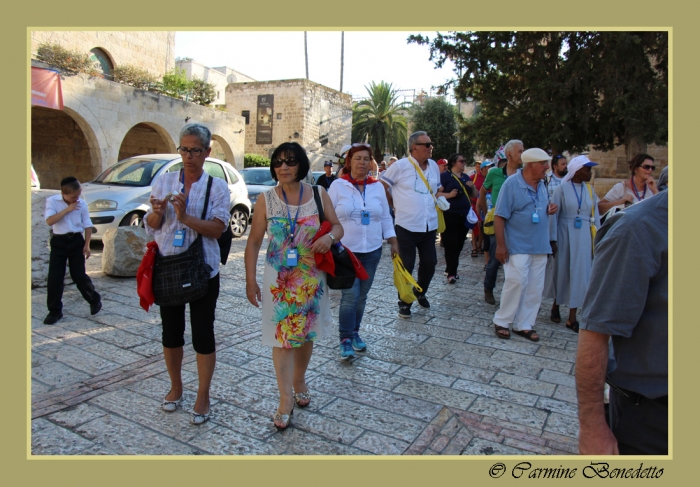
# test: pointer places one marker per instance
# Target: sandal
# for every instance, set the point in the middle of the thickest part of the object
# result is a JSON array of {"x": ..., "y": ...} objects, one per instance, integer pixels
[
  {"x": 475, "y": 253},
  {"x": 302, "y": 399},
  {"x": 502, "y": 332},
  {"x": 286, "y": 419},
  {"x": 198, "y": 418},
  {"x": 573, "y": 326},
  {"x": 171, "y": 406},
  {"x": 481, "y": 251},
  {"x": 528, "y": 334},
  {"x": 555, "y": 316}
]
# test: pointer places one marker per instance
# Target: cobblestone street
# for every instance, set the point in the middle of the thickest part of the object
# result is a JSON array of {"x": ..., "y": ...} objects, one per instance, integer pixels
[{"x": 440, "y": 383}]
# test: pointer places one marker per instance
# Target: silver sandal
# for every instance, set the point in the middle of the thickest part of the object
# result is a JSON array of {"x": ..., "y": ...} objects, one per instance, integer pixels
[
  {"x": 302, "y": 396},
  {"x": 198, "y": 419},
  {"x": 171, "y": 406}
]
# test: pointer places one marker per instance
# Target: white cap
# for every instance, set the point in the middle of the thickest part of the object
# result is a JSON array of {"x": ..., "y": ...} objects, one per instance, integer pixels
[
  {"x": 344, "y": 150},
  {"x": 575, "y": 164},
  {"x": 535, "y": 155}
]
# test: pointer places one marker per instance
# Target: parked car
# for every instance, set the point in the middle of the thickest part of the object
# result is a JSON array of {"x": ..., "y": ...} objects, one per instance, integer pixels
[
  {"x": 257, "y": 180},
  {"x": 119, "y": 196}
]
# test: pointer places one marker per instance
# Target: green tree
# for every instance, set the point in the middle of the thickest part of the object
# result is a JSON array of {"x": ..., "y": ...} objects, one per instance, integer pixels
[
  {"x": 255, "y": 160},
  {"x": 202, "y": 92},
  {"x": 379, "y": 121},
  {"x": 438, "y": 118},
  {"x": 176, "y": 84},
  {"x": 560, "y": 90}
]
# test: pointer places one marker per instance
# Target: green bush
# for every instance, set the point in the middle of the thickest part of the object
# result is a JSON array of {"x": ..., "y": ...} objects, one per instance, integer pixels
[
  {"x": 133, "y": 76},
  {"x": 176, "y": 84},
  {"x": 255, "y": 160},
  {"x": 202, "y": 92},
  {"x": 60, "y": 57}
]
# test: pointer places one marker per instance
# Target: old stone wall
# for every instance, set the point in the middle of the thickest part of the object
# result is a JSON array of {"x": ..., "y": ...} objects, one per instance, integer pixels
[
  {"x": 109, "y": 114},
  {"x": 298, "y": 109},
  {"x": 152, "y": 50},
  {"x": 613, "y": 164}
]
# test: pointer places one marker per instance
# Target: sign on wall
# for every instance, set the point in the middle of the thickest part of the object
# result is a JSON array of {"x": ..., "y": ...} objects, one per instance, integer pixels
[
  {"x": 263, "y": 133},
  {"x": 46, "y": 89}
]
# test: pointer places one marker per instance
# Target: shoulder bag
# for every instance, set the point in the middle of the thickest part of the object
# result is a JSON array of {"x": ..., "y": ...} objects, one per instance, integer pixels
[
  {"x": 182, "y": 278},
  {"x": 472, "y": 219},
  {"x": 441, "y": 218}
]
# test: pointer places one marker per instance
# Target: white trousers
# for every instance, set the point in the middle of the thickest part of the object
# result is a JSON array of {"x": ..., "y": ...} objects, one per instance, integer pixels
[{"x": 522, "y": 291}]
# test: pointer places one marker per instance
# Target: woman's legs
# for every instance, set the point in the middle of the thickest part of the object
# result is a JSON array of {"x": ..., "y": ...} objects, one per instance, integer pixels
[
  {"x": 302, "y": 357},
  {"x": 173, "y": 319},
  {"x": 283, "y": 359},
  {"x": 205, "y": 371},
  {"x": 202, "y": 315},
  {"x": 173, "y": 362}
]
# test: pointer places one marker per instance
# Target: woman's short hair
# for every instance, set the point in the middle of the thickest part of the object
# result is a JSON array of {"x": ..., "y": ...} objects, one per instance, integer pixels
[
  {"x": 199, "y": 131},
  {"x": 638, "y": 160},
  {"x": 354, "y": 150},
  {"x": 297, "y": 152},
  {"x": 452, "y": 160}
]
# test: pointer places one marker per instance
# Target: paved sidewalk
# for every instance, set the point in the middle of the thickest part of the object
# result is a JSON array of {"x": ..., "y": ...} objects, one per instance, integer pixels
[{"x": 439, "y": 383}]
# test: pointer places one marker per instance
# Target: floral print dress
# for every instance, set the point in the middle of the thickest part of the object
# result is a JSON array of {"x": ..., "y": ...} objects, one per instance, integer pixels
[{"x": 295, "y": 302}]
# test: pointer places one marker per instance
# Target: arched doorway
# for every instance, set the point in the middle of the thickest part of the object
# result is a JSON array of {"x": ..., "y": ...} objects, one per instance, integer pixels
[
  {"x": 63, "y": 144},
  {"x": 221, "y": 150},
  {"x": 146, "y": 138}
]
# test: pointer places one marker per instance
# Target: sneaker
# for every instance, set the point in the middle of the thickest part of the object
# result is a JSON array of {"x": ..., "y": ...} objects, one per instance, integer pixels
[
  {"x": 52, "y": 319},
  {"x": 346, "y": 351},
  {"x": 451, "y": 279},
  {"x": 422, "y": 301},
  {"x": 358, "y": 344},
  {"x": 404, "y": 310}
]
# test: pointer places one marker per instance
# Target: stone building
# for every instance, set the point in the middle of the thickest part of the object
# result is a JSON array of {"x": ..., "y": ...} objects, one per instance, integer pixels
[
  {"x": 220, "y": 77},
  {"x": 103, "y": 122},
  {"x": 317, "y": 117}
]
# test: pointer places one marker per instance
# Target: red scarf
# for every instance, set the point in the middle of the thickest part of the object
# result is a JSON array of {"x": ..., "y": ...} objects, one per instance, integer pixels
[{"x": 349, "y": 179}]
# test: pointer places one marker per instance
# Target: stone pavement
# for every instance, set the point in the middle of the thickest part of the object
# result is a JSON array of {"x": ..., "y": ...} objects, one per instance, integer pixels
[{"x": 440, "y": 383}]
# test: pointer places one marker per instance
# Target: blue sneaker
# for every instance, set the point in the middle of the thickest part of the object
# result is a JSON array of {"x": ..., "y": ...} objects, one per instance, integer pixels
[
  {"x": 357, "y": 343},
  {"x": 346, "y": 351}
]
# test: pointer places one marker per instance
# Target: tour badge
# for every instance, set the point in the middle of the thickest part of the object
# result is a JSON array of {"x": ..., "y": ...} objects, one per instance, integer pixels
[
  {"x": 365, "y": 217},
  {"x": 535, "y": 217},
  {"x": 179, "y": 239},
  {"x": 291, "y": 257},
  {"x": 578, "y": 222}
]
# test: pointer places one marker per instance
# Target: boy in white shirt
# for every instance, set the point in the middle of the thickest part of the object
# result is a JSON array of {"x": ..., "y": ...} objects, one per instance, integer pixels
[{"x": 69, "y": 218}]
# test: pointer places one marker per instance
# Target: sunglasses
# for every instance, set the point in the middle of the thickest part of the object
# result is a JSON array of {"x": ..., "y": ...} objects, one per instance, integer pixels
[
  {"x": 427, "y": 144},
  {"x": 648, "y": 167},
  {"x": 290, "y": 162}
]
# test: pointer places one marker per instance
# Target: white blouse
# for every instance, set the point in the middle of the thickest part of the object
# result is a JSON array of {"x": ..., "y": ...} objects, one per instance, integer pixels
[{"x": 349, "y": 205}]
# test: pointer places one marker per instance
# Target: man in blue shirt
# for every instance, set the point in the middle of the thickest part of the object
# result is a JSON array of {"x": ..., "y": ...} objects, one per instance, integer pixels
[{"x": 522, "y": 245}]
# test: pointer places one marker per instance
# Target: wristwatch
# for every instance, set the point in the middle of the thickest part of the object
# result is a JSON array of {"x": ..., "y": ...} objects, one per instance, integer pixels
[{"x": 331, "y": 236}]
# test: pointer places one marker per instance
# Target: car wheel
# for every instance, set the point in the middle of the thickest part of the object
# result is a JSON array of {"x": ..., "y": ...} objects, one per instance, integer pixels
[
  {"x": 132, "y": 220},
  {"x": 239, "y": 222}
]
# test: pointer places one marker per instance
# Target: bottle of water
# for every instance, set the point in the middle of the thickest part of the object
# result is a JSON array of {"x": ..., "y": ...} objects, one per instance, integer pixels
[{"x": 489, "y": 203}]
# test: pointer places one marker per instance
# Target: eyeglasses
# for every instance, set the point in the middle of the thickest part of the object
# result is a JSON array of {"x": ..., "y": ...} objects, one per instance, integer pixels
[
  {"x": 194, "y": 152},
  {"x": 426, "y": 144},
  {"x": 290, "y": 162},
  {"x": 648, "y": 167}
]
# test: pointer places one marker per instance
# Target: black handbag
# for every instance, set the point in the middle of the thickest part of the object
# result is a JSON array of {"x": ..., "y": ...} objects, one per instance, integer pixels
[
  {"x": 182, "y": 278},
  {"x": 344, "y": 268}
]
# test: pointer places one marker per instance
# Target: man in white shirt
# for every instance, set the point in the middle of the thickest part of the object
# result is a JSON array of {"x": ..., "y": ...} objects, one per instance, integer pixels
[
  {"x": 68, "y": 214},
  {"x": 416, "y": 216}
]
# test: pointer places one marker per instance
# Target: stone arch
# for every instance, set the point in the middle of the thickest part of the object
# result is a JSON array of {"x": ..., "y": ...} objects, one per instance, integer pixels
[
  {"x": 221, "y": 149},
  {"x": 146, "y": 138},
  {"x": 63, "y": 144}
]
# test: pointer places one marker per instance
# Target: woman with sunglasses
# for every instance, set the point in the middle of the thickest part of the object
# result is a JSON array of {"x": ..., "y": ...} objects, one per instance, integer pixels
[
  {"x": 640, "y": 186},
  {"x": 459, "y": 189},
  {"x": 294, "y": 294},
  {"x": 363, "y": 210}
]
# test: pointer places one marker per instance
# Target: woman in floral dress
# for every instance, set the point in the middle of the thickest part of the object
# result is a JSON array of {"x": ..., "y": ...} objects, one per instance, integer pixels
[{"x": 294, "y": 294}]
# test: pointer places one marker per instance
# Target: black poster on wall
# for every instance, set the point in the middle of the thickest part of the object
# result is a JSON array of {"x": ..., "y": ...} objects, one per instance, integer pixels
[{"x": 263, "y": 134}]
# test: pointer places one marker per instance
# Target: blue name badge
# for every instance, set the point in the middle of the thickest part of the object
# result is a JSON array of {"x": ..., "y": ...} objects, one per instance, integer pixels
[
  {"x": 578, "y": 222},
  {"x": 535, "y": 217},
  {"x": 179, "y": 239},
  {"x": 291, "y": 257},
  {"x": 365, "y": 217}
]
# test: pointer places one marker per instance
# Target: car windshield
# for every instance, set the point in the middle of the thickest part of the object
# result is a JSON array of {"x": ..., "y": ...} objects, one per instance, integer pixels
[
  {"x": 261, "y": 177},
  {"x": 135, "y": 171}
]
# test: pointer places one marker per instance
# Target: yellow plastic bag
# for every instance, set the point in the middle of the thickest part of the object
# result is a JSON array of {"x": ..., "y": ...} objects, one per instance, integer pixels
[
  {"x": 404, "y": 281},
  {"x": 441, "y": 220},
  {"x": 488, "y": 222}
]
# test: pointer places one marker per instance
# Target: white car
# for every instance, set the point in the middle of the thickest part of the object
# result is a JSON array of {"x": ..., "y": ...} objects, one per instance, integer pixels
[{"x": 119, "y": 196}]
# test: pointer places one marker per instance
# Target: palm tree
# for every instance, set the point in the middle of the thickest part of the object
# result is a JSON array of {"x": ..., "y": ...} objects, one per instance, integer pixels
[{"x": 379, "y": 121}]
